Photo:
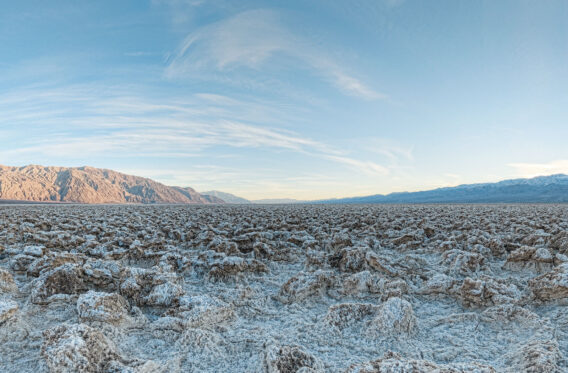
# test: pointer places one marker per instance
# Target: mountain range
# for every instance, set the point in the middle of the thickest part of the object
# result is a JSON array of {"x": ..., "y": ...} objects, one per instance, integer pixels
[
  {"x": 93, "y": 185},
  {"x": 90, "y": 185},
  {"x": 541, "y": 189}
]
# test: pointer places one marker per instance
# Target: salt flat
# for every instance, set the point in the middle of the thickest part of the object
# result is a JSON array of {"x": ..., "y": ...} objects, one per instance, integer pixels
[{"x": 328, "y": 288}]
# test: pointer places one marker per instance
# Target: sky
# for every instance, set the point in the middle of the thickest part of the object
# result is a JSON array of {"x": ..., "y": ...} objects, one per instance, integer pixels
[{"x": 305, "y": 99}]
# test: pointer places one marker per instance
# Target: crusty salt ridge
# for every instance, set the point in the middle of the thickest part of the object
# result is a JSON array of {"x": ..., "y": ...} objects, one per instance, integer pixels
[{"x": 284, "y": 288}]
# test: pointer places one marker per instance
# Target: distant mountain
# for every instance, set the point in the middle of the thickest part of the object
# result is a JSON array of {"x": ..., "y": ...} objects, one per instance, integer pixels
[
  {"x": 193, "y": 195},
  {"x": 213, "y": 199},
  {"x": 231, "y": 198},
  {"x": 227, "y": 197},
  {"x": 274, "y": 201},
  {"x": 543, "y": 189},
  {"x": 88, "y": 185},
  {"x": 92, "y": 185}
]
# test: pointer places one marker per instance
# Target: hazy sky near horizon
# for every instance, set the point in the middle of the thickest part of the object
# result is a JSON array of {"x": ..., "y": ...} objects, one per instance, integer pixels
[{"x": 288, "y": 99}]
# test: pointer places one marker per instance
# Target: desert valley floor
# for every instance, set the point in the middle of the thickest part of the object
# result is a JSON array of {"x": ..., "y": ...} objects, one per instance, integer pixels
[{"x": 304, "y": 288}]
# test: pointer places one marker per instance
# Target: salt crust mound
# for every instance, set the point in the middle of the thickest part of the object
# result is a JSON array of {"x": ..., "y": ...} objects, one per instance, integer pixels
[
  {"x": 104, "y": 307},
  {"x": 284, "y": 359},
  {"x": 284, "y": 289},
  {"x": 7, "y": 284},
  {"x": 393, "y": 362},
  {"x": 8, "y": 309}
]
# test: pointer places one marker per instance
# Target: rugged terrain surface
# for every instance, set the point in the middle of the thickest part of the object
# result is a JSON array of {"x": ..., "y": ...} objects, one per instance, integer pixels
[
  {"x": 284, "y": 288},
  {"x": 89, "y": 185}
]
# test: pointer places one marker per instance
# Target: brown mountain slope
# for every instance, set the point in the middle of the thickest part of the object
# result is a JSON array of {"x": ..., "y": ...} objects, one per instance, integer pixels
[
  {"x": 88, "y": 185},
  {"x": 189, "y": 192}
]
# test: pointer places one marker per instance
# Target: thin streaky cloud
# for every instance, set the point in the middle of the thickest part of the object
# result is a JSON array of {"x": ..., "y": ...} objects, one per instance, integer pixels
[
  {"x": 393, "y": 151},
  {"x": 118, "y": 106},
  {"x": 195, "y": 136},
  {"x": 129, "y": 124},
  {"x": 253, "y": 39},
  {"x": 168, "y": 140},
  {"x": 367, "y": 167}
]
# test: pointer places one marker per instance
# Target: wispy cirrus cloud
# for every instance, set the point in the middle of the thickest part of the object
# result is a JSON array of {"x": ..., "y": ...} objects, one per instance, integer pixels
[
  {"x": 390, "y": 149},
  {"x": 255, "y": 39},
  {"x": 84, "y": 122},
  {"x": 367, "y": 167},
  {"x": 164, "y": 138},
  {"x": 188, "y": 139},
  {"x": 182, "y": 12}
]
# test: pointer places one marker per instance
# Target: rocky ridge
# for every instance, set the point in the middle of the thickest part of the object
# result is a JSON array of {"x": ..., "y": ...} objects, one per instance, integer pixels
[{"x": 89, "y": 185}]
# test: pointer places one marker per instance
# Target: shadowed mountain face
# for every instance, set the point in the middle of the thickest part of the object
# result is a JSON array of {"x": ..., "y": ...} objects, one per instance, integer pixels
[
  {"x": 191, "y": 193},
  {"x": 542, "y": 189},
  {"x": 227, "y": 197},
  {"x": 89, "y": 185}
]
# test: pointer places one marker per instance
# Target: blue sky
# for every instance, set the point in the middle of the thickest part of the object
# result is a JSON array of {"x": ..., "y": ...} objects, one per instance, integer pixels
[{"x": 296, "y": 99}]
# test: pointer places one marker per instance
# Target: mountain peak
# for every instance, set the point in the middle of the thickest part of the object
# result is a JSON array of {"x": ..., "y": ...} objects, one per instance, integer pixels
[{"x": 89, "y": 185}]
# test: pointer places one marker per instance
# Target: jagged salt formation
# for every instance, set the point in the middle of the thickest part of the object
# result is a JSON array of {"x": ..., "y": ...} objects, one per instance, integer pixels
[{"x": 283, "y": 289}]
